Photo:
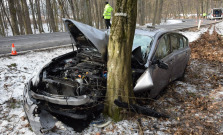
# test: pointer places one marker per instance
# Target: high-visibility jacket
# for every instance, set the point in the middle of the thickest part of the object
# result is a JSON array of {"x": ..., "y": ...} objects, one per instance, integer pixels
[{"x": 107, "y": 11}]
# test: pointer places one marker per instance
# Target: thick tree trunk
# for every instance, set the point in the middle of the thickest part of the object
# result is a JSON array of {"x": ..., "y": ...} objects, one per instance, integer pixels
[
  {"x": 119, "y": 81},
  {"x": 26, "y": 17},
  {"x": 12, "y": 10}
]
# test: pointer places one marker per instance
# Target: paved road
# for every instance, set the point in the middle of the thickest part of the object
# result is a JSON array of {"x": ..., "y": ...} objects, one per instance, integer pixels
[
  {"x": 190, "y": 23},
  {"x": 37, "y": 41}
]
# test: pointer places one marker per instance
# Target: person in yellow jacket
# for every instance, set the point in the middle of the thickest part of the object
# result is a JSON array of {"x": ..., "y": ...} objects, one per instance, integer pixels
[{"x": 107, "y": 14}]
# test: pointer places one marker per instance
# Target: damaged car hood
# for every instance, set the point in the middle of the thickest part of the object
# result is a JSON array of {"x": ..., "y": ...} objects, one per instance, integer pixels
[{"x": 80, "y": 32}]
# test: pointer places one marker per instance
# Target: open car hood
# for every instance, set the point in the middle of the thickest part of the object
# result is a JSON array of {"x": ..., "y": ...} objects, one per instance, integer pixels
[{"x": 81, "y": 34}]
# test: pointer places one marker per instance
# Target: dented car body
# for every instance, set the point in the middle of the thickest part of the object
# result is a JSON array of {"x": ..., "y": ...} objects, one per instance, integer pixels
[{"x": 73, "y": 85}]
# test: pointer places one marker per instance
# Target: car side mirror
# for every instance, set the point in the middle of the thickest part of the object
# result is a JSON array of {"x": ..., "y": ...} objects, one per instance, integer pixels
[{"x": 160, "y": 64}]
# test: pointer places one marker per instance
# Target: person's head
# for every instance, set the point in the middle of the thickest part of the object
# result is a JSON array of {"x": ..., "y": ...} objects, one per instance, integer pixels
[{"x": 106, "y": 3}]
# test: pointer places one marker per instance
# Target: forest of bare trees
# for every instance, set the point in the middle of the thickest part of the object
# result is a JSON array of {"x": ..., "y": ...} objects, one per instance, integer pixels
[{"x": 21, "y": 17}]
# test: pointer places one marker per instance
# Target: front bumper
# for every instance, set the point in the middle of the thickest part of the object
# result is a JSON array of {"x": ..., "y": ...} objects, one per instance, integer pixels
[{"x": 43, "y": 115}]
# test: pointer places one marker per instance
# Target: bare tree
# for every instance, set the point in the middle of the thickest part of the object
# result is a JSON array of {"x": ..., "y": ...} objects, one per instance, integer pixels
[
  {"x": 50, "y": 16},
  {"x": 20, "y": 17},
  {"x": 33, "y": 14},
  {"x": 2, "y": 28},
  {"x": 155, "y": 13},
  {"x": 27, "y": 21},
  {"x": 12, "y": 10},
  {"x": 39, "y": 19}
]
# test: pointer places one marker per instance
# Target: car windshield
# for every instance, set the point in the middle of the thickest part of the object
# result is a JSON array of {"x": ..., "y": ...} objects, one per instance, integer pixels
[{"x": 145, "y": 43}]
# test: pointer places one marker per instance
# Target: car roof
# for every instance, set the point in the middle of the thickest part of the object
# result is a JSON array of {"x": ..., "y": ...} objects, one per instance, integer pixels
[{"x": 148, "y": 31}]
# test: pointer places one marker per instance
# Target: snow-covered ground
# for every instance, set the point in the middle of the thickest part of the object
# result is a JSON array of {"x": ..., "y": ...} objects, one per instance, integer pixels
[
  {"x": 167, "y": 22},
  {"x": 35, "y": 31},
  {"x": 16, "y": 70}
]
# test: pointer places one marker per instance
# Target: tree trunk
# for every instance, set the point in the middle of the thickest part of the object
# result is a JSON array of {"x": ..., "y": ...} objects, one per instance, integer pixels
[
  {"x": 72, "y": 8},
  {"x": 2, "y": 28},
  {"x": 182, "y": 8},
  {"x": 33, "y": 14},
  {"x": 26, "y": 17},
  {"x": 207, "y": 6},
  {"x": 155, "y": 13},
  {"x": 39, "y": 19},
  {"x": 56, "y": 17},
  {"x": 77, "y": 10},
  {"x": 101, "y": 7},
  {"x": 61, "y": 8},
  {"x": 159, "y": 17},
  {"x": 50, "y": 16},
  {"x": 97, "y": 16},
  {"x": 89, "y": 13},
  {"x": 141, "y": 15},
  {"x": 20, "y": 17},
  {"x": 12, "y": 10},
  {"x": 119, "y": 81}
]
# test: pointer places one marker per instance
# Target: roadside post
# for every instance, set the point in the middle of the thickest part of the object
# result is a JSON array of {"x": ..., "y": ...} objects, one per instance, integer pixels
[{"x": 199, "y": 24}]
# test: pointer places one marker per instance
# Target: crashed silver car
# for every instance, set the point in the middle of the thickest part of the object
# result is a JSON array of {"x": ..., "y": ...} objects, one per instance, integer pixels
[{"x": 72, "y": 86}]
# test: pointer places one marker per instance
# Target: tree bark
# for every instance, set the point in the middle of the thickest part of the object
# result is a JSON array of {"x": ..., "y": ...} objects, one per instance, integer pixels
[
  {"x": 39, "y": 19},
  {"x": 33, "y": 14},
  {"x": 2, "y": 28},
  {"x": 119, "y": 81},
  {"x": 50, "y": 16},
  {"x": 72, "y": 8},
  {"x": 155, "y": 13},
  {"x": 20, "y": 17},
  {"x": 26, "y": 17},
  {"x": 12, "y": 10},
  {"x": 159, "y": 17}
]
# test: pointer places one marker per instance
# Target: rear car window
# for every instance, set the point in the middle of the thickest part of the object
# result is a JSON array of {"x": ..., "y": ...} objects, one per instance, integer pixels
[
  {"x": 185, "y": 42},
  {"x": 174, "y": 42}
]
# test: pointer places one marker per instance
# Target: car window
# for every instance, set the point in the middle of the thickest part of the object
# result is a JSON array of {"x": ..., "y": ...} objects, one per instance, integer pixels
[
  {"x": 181, "y": 43},
  {"x": 185, "y": 42},
  {"x": 144, "y": 42},
  {"x": 163, "y": 48},
  {"x": 174, "y": 42}
]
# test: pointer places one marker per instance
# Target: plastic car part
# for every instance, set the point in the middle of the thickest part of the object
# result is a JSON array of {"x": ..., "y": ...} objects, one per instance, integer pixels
[
  {"x": 61, "y": 100},
  {"x": 144, "y": 82},
  {"x": 140, "y": 109}
]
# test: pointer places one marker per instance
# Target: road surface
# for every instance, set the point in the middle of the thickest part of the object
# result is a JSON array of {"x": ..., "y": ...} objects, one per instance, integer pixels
[{"x": 37, "y": 41}]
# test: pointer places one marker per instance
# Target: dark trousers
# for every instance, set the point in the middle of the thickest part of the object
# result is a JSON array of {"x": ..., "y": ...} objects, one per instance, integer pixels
[{"x": 107, "y": 23}]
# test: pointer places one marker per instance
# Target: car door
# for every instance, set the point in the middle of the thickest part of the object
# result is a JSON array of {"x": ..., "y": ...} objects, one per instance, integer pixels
[
  {"x": 161, "y": 76},
  {"x": 180, "y": 53}
]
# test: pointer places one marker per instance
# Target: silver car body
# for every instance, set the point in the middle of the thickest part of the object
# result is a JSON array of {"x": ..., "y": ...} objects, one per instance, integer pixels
[{"x": 69, "y": 83}]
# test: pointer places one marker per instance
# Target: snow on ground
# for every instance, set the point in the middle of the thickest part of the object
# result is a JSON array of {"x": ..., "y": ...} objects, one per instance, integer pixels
[
  {"x": 192, "y": 36},
  {"x": 35, "y": 31},
  {"x": 167, "y": 22},
  {"x": 15, "y": 71}
]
